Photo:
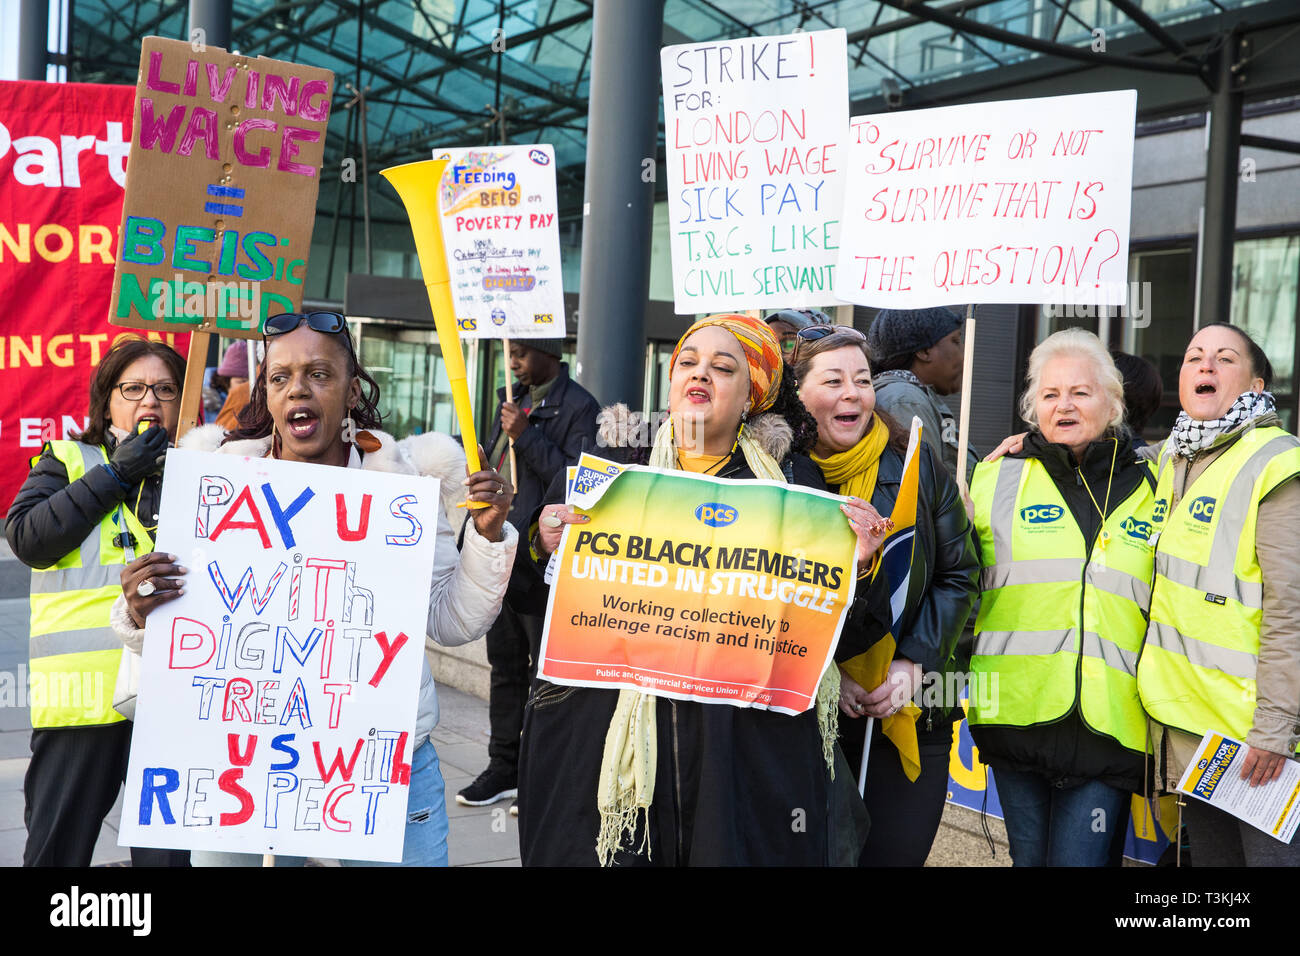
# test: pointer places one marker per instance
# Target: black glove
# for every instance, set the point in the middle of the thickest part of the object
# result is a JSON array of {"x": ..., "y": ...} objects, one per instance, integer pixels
[{"x": 139, "y": 456}]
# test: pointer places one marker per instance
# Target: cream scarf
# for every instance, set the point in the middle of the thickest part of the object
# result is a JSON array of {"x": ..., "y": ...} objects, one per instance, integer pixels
[{"x": 627, "y": 768}]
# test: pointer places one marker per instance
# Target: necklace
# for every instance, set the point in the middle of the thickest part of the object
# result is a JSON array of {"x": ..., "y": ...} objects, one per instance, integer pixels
[{"x": 1102, "y": 509}]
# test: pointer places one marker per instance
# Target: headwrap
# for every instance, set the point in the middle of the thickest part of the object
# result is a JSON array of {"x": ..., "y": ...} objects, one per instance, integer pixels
[{"x": 762, "y": 353}]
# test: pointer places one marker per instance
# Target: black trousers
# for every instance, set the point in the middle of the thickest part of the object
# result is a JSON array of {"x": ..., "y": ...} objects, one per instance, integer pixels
[
  {"x": 905, "y": 815},
  {"x": 71, "y": 783},
  {"x": 513, "y": 644}
]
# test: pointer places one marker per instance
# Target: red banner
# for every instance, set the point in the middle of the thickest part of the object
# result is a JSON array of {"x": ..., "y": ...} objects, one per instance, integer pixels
[{"x": 63, "y": 149}]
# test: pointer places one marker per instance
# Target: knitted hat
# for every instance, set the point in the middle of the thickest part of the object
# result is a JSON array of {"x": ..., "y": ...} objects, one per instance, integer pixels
[
  {"x": 234, "y": 364},
  {"x": 549, "y": 346},
  {"x": 799, "y": 318},
  {"x": 897, "y": 333}
]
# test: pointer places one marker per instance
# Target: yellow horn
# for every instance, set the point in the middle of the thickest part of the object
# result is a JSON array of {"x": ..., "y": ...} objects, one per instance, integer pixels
[{"x": 417, "y": 185}]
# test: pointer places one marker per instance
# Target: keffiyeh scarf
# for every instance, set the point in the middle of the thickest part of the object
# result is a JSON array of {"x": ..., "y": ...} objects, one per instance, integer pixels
[{"x": 1191, "y": 436}]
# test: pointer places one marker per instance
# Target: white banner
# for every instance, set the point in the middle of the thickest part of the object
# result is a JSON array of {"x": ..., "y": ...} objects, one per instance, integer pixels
[
  {"x": 499, "y": 225},
  {"x": 1017, "y": 201},
  {"x": 755, "y": 149},
  {"x": 278, "y": 694}
]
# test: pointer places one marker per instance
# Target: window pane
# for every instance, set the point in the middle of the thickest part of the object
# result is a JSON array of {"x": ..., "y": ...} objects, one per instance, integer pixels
[
  {"x": 1166, "y": 283},
  {"x": 1264, "y": 273}
]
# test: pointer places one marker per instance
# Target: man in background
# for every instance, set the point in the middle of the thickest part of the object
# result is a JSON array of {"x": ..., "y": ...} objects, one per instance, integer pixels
[{"x": 552, "y": 420}]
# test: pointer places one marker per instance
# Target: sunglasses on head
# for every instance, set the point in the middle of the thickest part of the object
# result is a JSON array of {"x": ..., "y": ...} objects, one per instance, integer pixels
[
  {"x": 815, "y": 333},
  {"x": 330, "y": 323}
]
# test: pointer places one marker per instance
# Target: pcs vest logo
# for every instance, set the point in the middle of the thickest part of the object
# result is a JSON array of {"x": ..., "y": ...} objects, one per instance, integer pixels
[
  {"x": 1137, "y": 529},
  {"x": 716, "y": 515},
  {"x": 1202, "y": 508},
  {"x": 1160, "y": 510},
  {"x": 1041, "y": 514}
]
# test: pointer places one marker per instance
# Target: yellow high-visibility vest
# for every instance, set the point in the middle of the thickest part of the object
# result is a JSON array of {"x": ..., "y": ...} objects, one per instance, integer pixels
[
  {"x": 74, "y": 654},
  {"x": 1197, "y": 670},
  {"x": 1056, "y": 626}
]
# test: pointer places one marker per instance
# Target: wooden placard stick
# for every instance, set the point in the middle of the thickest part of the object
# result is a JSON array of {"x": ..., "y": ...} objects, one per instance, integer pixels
[
  {"x": 192, "y": 390},
  {"x": 510, "y": 397},
  {"x": 967, "y": 386}
]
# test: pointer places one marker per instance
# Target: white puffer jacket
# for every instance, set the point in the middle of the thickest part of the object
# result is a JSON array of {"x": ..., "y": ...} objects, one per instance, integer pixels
[{"x": 467, "y": 587}]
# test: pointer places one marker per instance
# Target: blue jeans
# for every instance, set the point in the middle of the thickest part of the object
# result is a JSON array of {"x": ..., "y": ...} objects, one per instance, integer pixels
[
  {"x": 425, "y": 843},
  {"x": 1054, "y": 826}
]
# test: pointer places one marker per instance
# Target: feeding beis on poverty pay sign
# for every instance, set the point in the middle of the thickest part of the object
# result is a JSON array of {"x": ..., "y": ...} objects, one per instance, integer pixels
[
  {"x": 755, "y": 150},
  {"x": 221, "y": 189},
  {"x": 1016, "y": 201},
  {"x": 500, "y": 230},
  {"x": 277, "y": 699}
]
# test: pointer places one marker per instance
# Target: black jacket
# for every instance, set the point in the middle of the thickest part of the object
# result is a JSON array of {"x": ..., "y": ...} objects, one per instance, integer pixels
[
  {"x": 726, "y": 781},
  {"x": 1067, "y": 751},
  {"x": 945, "y": 570},
  {"x": 49, "y": 518},
  {"x": 559, "y": 430}
]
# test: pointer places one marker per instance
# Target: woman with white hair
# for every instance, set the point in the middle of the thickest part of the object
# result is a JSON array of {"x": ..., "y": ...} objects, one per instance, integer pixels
[{"x": 1064, "y": 529}]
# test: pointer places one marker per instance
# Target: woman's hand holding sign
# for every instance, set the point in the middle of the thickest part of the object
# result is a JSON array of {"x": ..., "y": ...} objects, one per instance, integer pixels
[
  {"x": 870, "y": 528},
  {"x": 551, "y": 526},
  {"x": 150, "y": 580}
]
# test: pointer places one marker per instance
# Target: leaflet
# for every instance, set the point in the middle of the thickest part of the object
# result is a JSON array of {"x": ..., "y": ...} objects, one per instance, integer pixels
[{"x": 1215, "y": 777}]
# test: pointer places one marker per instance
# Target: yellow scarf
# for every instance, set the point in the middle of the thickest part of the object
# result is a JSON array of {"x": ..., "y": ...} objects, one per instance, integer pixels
[
  {"x": 854, "y": 471},
  {"x": 626, "y": 783}
]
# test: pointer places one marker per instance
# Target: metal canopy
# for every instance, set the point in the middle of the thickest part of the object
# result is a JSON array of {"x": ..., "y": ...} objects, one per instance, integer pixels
[{"x": 456, "y": 72}]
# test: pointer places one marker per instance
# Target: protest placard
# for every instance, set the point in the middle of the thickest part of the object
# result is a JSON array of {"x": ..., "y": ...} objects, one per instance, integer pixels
[
  {"x": 1016, "y": 201},
  {"x": 278, "y": 696},
  {"x": 703, "y": 589},
  {"x": 220, "y": 189},
  {"x": 500, "y": 229},
  {"x": 755, "y": 133}
]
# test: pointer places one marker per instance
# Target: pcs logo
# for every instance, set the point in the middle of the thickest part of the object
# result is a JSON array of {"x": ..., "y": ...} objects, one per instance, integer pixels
[
  {"x": 543, "y": 318},
  {"x": 1160, "y": 510},
  {"x": 1137, "y": 529},
  {"x": 1203, "y": 509},
  {"x": 1041, "y": 514},
  {"x": 539, "y": 157},
  {"x": 467, "y": 325},
  {"x": 716, "y": 515}
]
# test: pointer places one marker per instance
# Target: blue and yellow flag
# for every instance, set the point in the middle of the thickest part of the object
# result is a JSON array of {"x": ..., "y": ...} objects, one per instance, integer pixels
[{"x": 893, "y": 572}]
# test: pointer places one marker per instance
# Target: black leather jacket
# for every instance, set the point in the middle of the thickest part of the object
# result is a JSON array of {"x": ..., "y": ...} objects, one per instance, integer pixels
[{"x": 945, "y": 571}]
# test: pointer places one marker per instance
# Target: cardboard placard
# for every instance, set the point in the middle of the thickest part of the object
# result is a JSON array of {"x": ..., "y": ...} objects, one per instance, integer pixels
[
  {"x": 755, "y": 149},
  {"x": 501, "y": 232},
  {"x": 278, "y": 695},
  {"x": 1016, "y": 201},
  {"x": 220, "y": 189}
]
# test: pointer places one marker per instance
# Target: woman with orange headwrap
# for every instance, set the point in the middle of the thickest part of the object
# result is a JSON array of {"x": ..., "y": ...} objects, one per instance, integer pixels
[{"x": 630, "y": 778}]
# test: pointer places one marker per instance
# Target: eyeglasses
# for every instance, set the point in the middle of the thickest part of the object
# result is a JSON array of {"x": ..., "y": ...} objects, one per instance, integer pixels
[
  {"x": 814, "y": 333},
  {"x": 331, "y": 323},
  {"x": 134, "y": 391}
]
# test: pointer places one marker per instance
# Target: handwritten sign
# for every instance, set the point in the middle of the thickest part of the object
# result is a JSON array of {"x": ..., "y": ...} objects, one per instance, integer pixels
[
  {"x": 755, "y": 149},
  {"x": 500, "y": 229},
  {"x": 278, "y": 695},
  {"x": 734, "y": 592},
  {"x": 220, "y": 189},
  {"x": 1017, "y": 201}
]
